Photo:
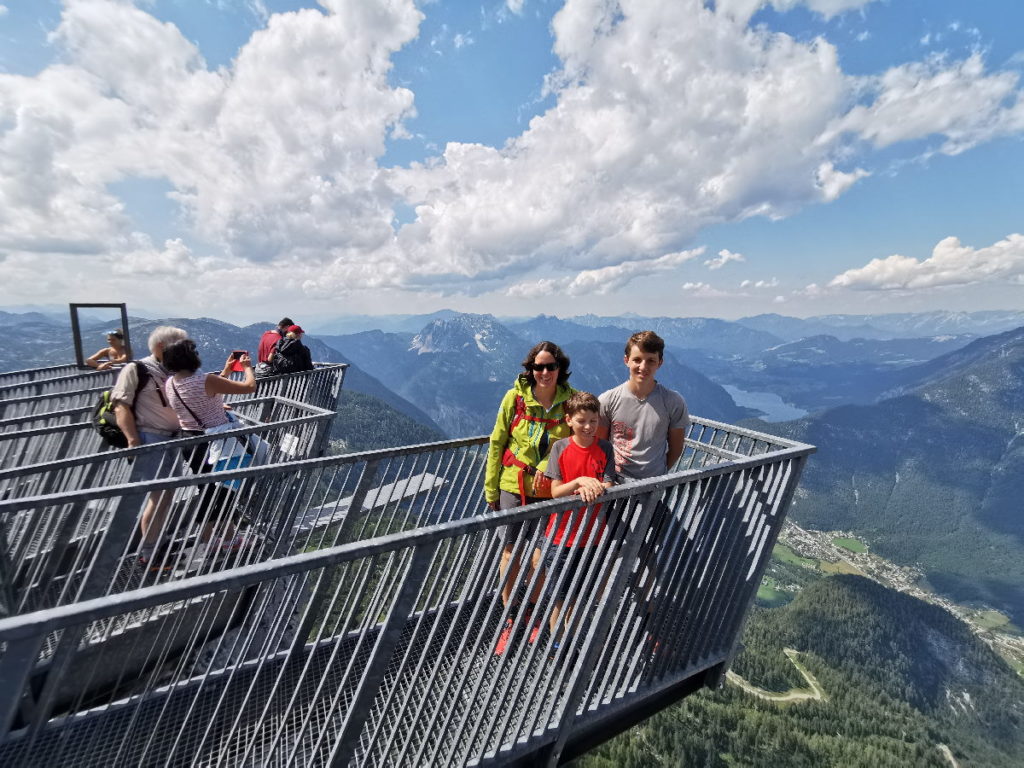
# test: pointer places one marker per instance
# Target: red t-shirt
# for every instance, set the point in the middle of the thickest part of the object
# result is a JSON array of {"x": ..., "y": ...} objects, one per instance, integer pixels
[
  {"x": 267, "y": 342},
  {"x": 566, "y": 462}
]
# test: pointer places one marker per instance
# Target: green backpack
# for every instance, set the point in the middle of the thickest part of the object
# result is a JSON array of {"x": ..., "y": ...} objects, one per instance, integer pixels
[{"x": 104, "y": 420}]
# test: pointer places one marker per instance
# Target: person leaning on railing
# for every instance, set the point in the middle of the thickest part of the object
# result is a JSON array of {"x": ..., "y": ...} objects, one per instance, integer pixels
[
  {"x": 145, "y": 417},
  {"x": 112, "y": 354},
  {"x": 531, "y": 417}
]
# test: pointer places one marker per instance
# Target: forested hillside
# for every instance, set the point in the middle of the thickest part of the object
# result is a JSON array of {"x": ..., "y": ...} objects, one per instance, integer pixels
[
  {"x": 934, "y": 476},
  {"x": 900, "y": 678}
]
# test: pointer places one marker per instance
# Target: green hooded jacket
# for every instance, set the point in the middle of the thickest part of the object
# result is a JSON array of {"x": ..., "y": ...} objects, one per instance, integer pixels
[{"x": 527, "y": 440}]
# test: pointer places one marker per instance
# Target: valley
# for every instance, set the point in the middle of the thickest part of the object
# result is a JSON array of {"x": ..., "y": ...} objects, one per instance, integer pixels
[{"x": 831, "y": 552}]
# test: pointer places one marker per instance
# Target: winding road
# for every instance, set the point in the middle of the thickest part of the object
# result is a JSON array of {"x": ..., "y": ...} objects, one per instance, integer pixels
[{"x": 794, "y": 694}]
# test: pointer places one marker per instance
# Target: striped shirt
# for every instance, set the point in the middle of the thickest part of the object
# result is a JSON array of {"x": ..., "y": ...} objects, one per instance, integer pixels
[{"x": 190, "y": 393}]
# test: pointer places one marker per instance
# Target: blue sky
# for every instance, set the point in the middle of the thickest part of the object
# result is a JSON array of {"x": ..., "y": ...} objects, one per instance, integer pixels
[{"x": 239, "y": 158}]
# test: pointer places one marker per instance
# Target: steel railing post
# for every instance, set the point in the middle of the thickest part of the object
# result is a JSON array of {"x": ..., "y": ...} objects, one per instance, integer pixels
[
  {"x": 16, "y": 666},
  {"x": 716, "y": 676},
  {"x": 614, "y": 593},
  {"x": 383, "y": 650}
]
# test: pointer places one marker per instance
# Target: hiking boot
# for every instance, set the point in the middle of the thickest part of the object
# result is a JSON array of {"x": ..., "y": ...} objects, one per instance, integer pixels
[
  {"x": 512, "y": 630},
  {"x": 160, "y": 559}
]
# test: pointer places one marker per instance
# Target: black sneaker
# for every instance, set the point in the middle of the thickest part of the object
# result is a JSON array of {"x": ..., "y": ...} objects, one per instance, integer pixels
[{"x": 160, "y": 559}]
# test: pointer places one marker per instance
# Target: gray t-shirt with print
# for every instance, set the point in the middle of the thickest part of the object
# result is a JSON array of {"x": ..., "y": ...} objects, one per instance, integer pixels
[{"x": 638, "y": 429}]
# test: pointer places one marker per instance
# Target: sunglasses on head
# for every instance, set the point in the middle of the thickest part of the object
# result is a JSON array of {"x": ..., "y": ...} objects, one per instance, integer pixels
[{"x": 543, "y": 366}]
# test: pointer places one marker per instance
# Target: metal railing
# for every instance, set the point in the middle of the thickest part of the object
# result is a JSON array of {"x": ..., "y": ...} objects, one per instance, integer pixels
[
  {"x": 36, "y": 374},
  {"x": 365, "y": 630},
  {"x": 59, "y": 547},
  {"x": 320, "y": 387},
  {"x": 71, "y": 382}
]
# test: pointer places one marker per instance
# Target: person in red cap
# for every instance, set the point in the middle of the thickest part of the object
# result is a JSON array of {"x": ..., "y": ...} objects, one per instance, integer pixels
[
  {"x": 270, "y": 338},
  {"x": 290, "y": 354}
]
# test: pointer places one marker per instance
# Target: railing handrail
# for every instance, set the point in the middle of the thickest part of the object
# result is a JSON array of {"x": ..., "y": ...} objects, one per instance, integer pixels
[
  {"x": 317, "y": 414},
  {"x": 56, "y": 380},
  {"x": 247, "y": 575},
  {"x": 90, "y": 494}
]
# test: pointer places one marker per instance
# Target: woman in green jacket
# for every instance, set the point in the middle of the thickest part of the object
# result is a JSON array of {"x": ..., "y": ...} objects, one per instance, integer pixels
[{"x": 530, "y": 419}]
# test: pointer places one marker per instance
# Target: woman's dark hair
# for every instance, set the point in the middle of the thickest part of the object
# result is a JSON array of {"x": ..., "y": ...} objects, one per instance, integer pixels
[
  {"x": 181, "y": 356},
  {"x": 560, "y": 357},
  {"x": 118, "y": 334}
]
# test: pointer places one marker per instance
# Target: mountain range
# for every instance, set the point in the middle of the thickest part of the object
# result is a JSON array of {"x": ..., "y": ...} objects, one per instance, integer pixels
[
  {"x": 457, "y": 369},
  {"x": 890, "y": 326},
  {"x": 932, "y": 475}
]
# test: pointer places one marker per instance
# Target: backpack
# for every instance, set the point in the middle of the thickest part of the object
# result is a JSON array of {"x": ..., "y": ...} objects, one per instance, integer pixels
[
  {"x": 539, "y": 484},
  {"x": 104, "y": 420}
]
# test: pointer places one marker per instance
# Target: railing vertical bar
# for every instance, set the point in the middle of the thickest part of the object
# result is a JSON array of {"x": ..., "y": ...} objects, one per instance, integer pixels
[
  {"x": 765, "y": 481},
  {"x": 387, "y": 640}
]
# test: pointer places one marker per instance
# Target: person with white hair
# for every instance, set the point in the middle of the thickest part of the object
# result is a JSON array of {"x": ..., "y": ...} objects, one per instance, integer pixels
[{"x": 145, "y": 417}]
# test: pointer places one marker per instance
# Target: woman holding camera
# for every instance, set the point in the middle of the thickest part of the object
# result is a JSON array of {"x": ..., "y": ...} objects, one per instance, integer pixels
[
  {"x": 198, "y": 400},
  {"x": 197, "y": 397}
]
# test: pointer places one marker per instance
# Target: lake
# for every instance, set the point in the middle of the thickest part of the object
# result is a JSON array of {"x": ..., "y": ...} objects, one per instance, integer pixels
[{"x": 771, "y": 405}]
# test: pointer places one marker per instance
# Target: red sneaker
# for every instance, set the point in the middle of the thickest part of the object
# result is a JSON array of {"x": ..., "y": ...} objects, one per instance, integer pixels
[{"x": 505, "y": 636}]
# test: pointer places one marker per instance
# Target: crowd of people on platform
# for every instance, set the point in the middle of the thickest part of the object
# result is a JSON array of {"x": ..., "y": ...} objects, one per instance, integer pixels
[
  {"x": 549, "y": 440},
  {"x": 165, "y": 396}
]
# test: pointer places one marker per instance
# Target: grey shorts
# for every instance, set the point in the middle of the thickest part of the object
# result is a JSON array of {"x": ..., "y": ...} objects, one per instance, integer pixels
[
  {"x": 155, "y": 464},
  {"x": 510, "y": 533},
  {"x": 560, "y": 567}
]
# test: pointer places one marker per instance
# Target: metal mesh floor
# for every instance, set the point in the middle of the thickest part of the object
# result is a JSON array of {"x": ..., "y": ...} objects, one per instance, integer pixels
[{"x": 292, "y": 716}]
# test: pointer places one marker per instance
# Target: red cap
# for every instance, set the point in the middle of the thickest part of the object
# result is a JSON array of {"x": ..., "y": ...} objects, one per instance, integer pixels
[{"x": 295, "y": 329}]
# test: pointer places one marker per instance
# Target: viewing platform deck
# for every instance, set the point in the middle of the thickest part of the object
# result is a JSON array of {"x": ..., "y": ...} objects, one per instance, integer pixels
[{"x": 360, "y": 623}]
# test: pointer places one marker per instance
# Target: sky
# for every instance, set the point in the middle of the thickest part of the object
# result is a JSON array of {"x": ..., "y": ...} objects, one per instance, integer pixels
[{"x": 244, "y": 159}]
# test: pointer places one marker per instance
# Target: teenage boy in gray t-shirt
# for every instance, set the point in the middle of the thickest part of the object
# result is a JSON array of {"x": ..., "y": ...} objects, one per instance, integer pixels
[{"x": 645, "y": 422}]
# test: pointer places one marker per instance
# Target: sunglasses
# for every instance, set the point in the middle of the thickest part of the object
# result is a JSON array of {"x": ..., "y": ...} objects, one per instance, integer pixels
[{"x": 543, "y": 366}]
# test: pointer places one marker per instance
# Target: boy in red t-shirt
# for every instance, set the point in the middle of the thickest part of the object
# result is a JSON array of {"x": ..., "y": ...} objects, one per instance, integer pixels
[{"x": 584, "y": 466}]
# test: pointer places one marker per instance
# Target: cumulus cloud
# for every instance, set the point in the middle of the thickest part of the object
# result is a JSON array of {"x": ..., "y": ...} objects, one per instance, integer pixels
[
  {"x": 704, "y": 291},
  {"x": 833, "y": 183},
  {"x": 951, "y": 263},
  {"x": 604, "y": 280},
  {"x": 274, "y": 157},
  {"x": 723, "y": 258},
  {"x": 957, "y": 101},
  {"x": 770, "y": 283},
  {"x": 742, "y": 10},
  {"x": 665, "y": 118}
]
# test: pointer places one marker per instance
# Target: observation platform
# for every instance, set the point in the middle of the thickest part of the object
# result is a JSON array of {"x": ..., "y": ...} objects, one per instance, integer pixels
[{"x": 359, "y": 624}]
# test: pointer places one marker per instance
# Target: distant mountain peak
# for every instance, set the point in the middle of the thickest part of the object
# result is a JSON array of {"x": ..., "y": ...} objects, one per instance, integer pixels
[{"x": 479, "y": 333}]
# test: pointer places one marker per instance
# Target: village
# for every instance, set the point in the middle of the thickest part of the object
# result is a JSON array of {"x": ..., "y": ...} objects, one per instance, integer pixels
[{"x": 822, "y": 546}]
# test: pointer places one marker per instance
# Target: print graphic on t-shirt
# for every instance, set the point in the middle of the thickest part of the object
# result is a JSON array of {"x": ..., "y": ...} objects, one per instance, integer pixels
[{"x": 623, "y": 437}]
